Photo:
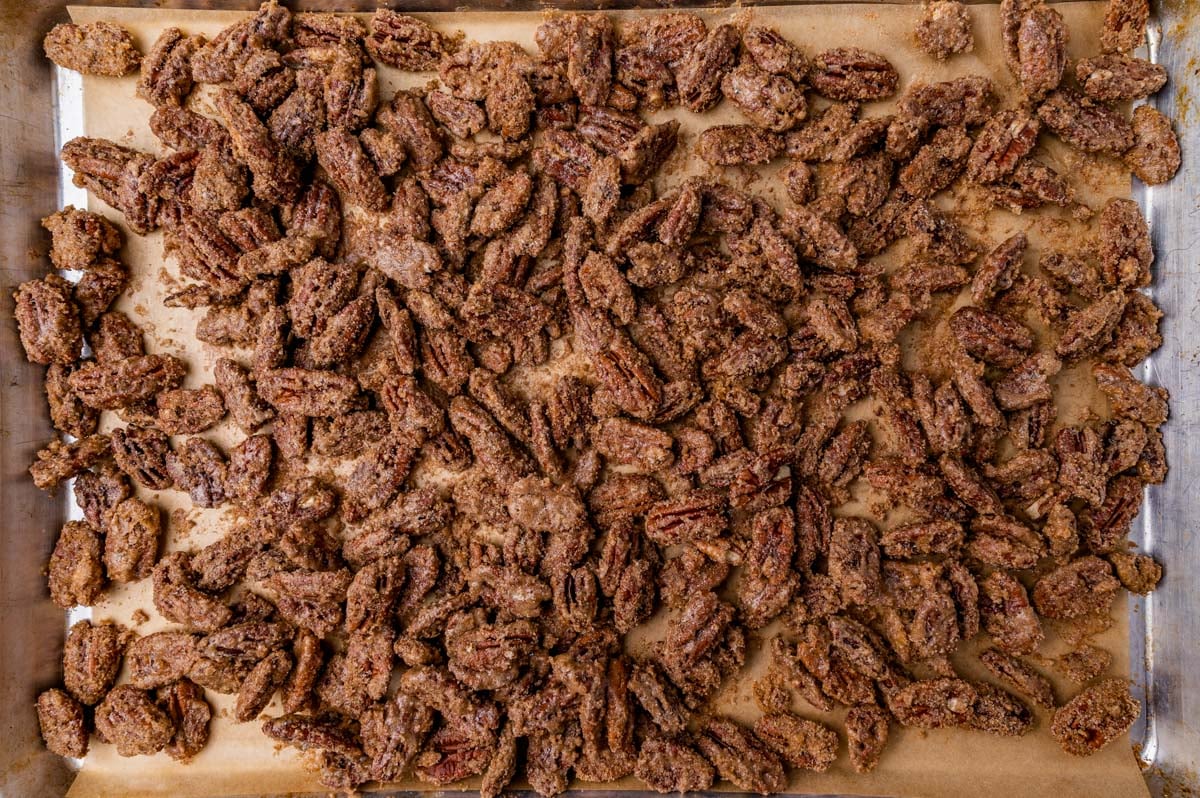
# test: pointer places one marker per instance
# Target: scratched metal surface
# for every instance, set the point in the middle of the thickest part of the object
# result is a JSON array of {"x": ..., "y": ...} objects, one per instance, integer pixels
[{"x": 40, "y": 107}]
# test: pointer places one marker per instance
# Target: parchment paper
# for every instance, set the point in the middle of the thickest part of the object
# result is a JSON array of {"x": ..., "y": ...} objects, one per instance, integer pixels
[{"x": 239, "y": 760}]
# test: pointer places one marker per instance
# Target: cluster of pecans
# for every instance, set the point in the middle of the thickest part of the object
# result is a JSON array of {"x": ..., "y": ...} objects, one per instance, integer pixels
[{"x": 635, "y": 397}]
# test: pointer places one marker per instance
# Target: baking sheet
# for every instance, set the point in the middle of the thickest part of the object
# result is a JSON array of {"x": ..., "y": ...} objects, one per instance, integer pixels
[{"x": 240, "y": 760}]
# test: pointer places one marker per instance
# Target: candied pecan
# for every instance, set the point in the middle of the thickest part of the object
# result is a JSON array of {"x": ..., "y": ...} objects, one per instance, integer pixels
[
  {"x": 851, "y": 73},
  {"x": 178, "y": 600},
  {"x": 62, "y": 724},
  {"x": 702, "y": 67},
  {"x": 80, "y": 239},
  {"x": 1019, "y": 676},
  {"x": 260, "y": 684},
  {"x": 1084, "y": 124},
  {"x": 67, "y": 412},
  {"x": 964, "y": 101},
  {"x": 310, "y": 733},
  {"x": 1007, "y": 614},
  {"x": 1154, "y": 156},
  {"x": 936, "y": 165},
  {"x": 854, "y": 559},
  {"x": 1084, "y": 663},
  {"x": 97, "y": 48},
  {"x": 699, "y": 515},
  {"x": 305, "y": 392},
  {"x": 820, "y": 241},
  {"x": 936, "y": 235},
  {"x": 183, "y": 702},
  {"x": 1006, "y": 138},
  {"x": 739, "y": 758},
  {"x": 1027, "y": 384},
  {"x": 1125, "y": 250},
  {"x": 167, "y": 70},
  {"x": 142, "y": 454},
  {"x": 249, "y": 468},
  {"x": 1108, "y": 523},
  {"x": 669, "y": 766},
  {"x": 91, "y": 660},
  {"x": 1124, "y": 25},
  {"x": 1130, "y": 398},
  {"x": 589, "y": 53},
  {"x": 342, "y": 157},
  {"x": 1041, "y": 51},
  {"x": 275, "y": 174},
  {"x": 48, "y": 320},
  {"x": 112, "y": 172},
  {"x": 1119, "y": 78},
  {"x": 404, "y": 42},
  {"x": 1082, "y": 470},
  {"x": 75, "y": 573},
  {"x": 867, "y": 734},
  {"x": 1095, "y": 717},
  {"x": 771, "y": 101},
  {"x": 923, "y": 537},
  {"x": 1081, "y": 586},
  {"x": 802, "y": 743},
  {"x": 944, "y": 29},
  {"x": 160, "y": 659},
  {"x": 98, "y": 288},
  {"x": 131, "y": 540},
  {"x": 233, "y": 381},
  {"x": 991, "y": 337},
  {"x": 132, "y": 722},
  {"x": 1090, "y": 328},
  {"x": 126, "y": 382},
  {"x": 407, "y": 118},
  {"x": 1139, "y": 573},
  {"x": 198, "y": 467},
  {"x": 186, "y": 411}
]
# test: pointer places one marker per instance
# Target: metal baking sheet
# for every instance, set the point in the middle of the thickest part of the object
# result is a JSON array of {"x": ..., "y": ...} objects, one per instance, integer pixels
[{"x": 41, "y": 109}]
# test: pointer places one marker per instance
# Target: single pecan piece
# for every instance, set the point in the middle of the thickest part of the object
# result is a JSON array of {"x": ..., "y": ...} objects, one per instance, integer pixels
[
  {"x": 142, "y": 454},
  {"x": 76, "y": 573},
  {"x": 944, "y": 29},
  {"x": 110, "y": 386},
  {"x": 1007, "y": 614},
  {"x": 1019, "y": 676},
  {"x": 62, "y": 724},
  {"x": 1154, "y": 156},
  {"x": 852, "y": 73},
  {"x": 1006, "y": 138},
  {"x": 867, "y": 734},
  {"x": 167, "y": 69},
  {"x": 306, "y": 392},
  {"x": 1124, "y": 26},
  {"x": 131, "y": 540},
  {"x": 1095, "y": 717},
  {"x": 703, "y": 66},
  {"x": 91, "y": 659},
  {"x": 48, "y": 321},
  {"x": 1084, "y": 124},
  {"x": 771, "y": 101},
  {"x": 178, "y": 600},
  {"x": 132, "y": 722},
  {"x": 97, "y": 48},
  {"x": 669, "y": 766},
  {"x": 739, "y": 758},
  {"x": 1041, "y": 51},
  {"x": 404, "y": 42}
]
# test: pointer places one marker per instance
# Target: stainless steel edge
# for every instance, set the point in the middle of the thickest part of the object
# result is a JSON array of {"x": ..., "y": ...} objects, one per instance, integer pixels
[
  {"x": 29, "y": 656},
  {"x": 1165, "y": 627},
  {"x": 1168, "y": 650}
]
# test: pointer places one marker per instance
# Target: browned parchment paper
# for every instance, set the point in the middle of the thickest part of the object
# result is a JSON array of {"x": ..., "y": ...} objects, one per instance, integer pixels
[{"x": 239, "y": 760}]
